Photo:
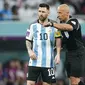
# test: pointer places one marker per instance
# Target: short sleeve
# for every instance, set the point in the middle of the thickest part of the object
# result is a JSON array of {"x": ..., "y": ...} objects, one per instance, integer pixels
[
  {"x": 74, "y": 23},
  {"x": 29, "y": 33},
  {"x": 57, "y": 34}
]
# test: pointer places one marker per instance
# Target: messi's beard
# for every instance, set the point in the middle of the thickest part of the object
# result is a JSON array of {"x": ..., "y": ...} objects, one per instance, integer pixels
[{"x": 42, "y": 19}]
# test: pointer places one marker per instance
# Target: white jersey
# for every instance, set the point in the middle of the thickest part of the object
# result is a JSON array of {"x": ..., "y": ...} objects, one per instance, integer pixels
[{"x": 43, "y": 43}]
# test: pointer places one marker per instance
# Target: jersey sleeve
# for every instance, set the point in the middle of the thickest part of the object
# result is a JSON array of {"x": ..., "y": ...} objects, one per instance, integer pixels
[
  {"x": 57, "y": 34},
  {"x": 74, "y": 23},
  {"x": 29, "y": 33}
]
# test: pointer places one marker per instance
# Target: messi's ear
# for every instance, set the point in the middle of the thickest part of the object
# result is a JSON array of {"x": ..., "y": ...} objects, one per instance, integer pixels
[{"x": 48, "y": 12}]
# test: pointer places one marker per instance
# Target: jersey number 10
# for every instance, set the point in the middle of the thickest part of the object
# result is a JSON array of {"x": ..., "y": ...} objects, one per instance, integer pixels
[{"x": 43, "y": 36}]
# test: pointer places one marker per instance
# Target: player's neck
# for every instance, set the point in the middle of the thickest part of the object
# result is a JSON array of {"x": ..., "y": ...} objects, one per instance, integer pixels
[{"x": 42, "y": 22}]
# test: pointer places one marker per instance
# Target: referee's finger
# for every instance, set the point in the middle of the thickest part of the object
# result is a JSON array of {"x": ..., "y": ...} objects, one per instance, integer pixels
[
  {"x": 35, "y": 57},
  {"x": 32, "y": 58}
]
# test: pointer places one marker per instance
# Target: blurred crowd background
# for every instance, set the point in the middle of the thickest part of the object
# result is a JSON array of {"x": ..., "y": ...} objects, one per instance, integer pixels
[
  {"x": 25, "y": 10},
  {"x": 13, "y": 72},
  {"x": 15, "y": 17}
]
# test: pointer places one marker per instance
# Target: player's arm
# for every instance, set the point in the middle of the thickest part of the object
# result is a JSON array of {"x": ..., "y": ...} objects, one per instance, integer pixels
[
  {"x": 28, "y": 46},
  {"x": 58, "y": 37},
  {"x": 29, "y": 39},
  {"x": 58, "y": 50},
  {"x": 32, "y": 55},
  {"x": 29, "y": 35},
  {"x": 58, "y": 45}
]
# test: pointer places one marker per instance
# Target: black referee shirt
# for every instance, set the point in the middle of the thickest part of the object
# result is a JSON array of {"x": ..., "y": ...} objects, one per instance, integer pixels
[{"x": 73, "y": 39}]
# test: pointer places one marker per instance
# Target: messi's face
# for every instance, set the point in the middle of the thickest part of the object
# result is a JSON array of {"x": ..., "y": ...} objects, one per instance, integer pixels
[{"x": 43, "y": 13}]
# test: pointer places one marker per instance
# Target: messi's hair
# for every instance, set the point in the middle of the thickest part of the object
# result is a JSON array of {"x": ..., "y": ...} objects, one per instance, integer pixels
[{"x": 44, "y": 5}]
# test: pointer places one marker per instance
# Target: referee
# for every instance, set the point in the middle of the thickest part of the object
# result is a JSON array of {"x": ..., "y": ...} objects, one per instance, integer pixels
[{"x": 75, "y": 55}]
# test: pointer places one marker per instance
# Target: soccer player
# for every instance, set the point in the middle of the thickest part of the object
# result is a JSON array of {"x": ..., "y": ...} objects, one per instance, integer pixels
[
  {"x": 71, "y": 32},
  {"x": 40, "y": 43}
]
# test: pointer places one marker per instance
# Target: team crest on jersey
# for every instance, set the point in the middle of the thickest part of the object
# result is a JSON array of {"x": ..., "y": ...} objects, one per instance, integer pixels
[
  {"x": 66, "y": 34},
  {"x": 50, "y": 30},
  {"x": 28, "y": 33}
]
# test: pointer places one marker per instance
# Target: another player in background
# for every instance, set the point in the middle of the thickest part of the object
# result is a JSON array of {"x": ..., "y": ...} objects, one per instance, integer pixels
[
  {"x": 75, "y": 56},
  {"x": 40, "y": 43}
]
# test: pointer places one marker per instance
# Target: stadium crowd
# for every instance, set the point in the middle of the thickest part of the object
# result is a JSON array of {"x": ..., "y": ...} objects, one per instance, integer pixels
[
  {"x": 13, "y": 72},
  {"x": 26, "y": 10}
]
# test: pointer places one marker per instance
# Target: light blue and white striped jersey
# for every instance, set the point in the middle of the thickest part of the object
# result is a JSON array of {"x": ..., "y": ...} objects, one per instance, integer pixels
[{"x": 43, "y": 43}]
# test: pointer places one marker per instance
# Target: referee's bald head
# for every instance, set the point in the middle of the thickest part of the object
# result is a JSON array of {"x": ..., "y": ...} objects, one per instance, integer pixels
[
  {"x": 63, "y": 12},
  {"x": 64, "y": 7}
]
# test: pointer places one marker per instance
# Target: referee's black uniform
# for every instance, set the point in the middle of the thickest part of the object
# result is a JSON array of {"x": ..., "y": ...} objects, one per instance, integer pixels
[{"x": 75, "y": 55}]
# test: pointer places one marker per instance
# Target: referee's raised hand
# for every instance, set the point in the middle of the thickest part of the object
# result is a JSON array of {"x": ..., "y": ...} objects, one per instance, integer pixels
[
  {"x": 32, "y": 55},
  {"x": 48, "y": 24}
]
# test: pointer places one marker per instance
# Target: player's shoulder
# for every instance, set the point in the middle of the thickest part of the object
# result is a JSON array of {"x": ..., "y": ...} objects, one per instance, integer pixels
[
  {"x": 30, "y": 25},
  {"x": 34, "y": 22}
]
